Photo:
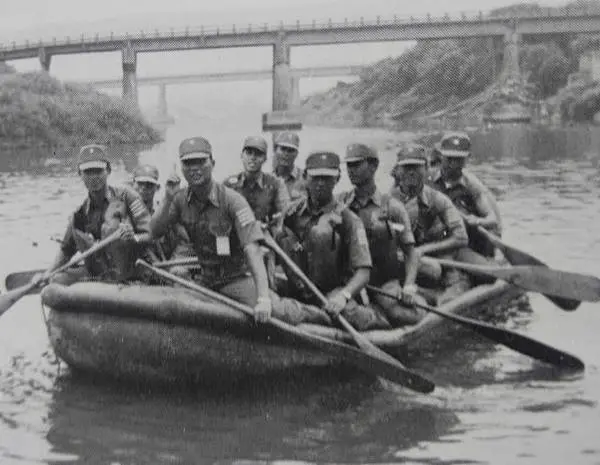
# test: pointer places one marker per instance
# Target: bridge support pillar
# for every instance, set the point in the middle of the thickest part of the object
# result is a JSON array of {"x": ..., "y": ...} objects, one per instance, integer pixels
[
  {"x": 45, "y": 59},
  {"x": 510, "y": 65},
  {"x": 282, "y": 82},
  {"x": 295, "y": 99},
  {"x": 162, "y": 102},
  {"x": 129, "y": 62}
]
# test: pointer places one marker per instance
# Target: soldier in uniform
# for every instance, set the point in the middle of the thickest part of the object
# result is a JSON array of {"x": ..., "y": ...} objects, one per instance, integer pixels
[
  {"x": 329, "y": 243},
  {"x": 226, "y": 237},
  {"x": 466, "y": 192},
  {"x": 176, "y": 243},
  {"x": 106, "y": 209},
  {"x": 436, "y": 223},
  {"x": 267, "y": 194},
  {"x": 388, "y": 228},
  {"x": 285, "y": 147}
]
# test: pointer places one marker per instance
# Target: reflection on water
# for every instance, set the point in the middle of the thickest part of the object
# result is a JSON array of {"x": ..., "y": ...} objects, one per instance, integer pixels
[{"x": 492, "y": 406}]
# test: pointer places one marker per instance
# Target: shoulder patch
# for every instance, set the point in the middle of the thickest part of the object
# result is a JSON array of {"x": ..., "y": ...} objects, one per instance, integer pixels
[{"x": 245, "y": 216}]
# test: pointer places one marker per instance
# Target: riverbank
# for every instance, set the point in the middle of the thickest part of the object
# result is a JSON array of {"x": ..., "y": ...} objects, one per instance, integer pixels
[
  {"x": 459, "y": 83},
  {"x": 38, "y": 110}
]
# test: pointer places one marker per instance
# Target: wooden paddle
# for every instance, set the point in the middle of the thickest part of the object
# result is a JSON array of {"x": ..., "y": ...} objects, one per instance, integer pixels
[
  {"x": 538, "y": 279},
  {"x": 7, "y": 300},
  {"x": 367, "y": 346},
  {"x": 385, "y": 367},
  {"x": 515, "y": 341},
  {"x": 518, "y": 257}
]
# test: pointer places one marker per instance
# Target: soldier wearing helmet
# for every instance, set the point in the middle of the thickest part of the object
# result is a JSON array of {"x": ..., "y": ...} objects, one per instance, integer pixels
[
  {"x": 226, "y": 237},
  {"x": 466, "y": 192},
  {"x": 329, "y": 243},
  {"x": 436, "y": 223},
  {"x": 105, "y": 209}
]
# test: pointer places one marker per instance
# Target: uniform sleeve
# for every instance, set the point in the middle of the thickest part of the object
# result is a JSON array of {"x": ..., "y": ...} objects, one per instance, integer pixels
[
  {"x": 399, "y": 215},
  {"x": 140, "y": 216},
  {"x": 451, "y": 217},
  {"x": 282, "y": 196},
  {"x": 482, "y": 204},
  {"x": 356, "y": 239},
  {"x": 247, "y": 228},
  {"x": 68, "y": 245}
]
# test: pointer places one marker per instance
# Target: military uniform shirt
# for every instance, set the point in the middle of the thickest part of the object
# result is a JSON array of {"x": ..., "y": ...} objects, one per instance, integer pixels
[
  {"x": 219, "y": 228},
  {"x": 89, "y": 217},
  {"x": 327, "y": 273},
  {"x": 377, "y": 213},
  {"x": 267, "y": 195},
  {"x": 295, "y": 183},
  {"x": 432, "y": 215},
  {"x": 468, "y": 194}
]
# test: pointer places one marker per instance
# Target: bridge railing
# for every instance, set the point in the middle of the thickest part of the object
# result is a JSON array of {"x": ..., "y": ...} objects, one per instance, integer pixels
[{"x": 233, "y": 29}]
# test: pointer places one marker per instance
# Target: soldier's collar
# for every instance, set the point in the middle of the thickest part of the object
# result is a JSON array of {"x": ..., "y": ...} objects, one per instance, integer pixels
[
  {"x": 375, "y": 197},
  {"x": 331, "y": 206},
  {"x": 109, "y": 193},
  {"x": 437, "y": 178},
  {"x": 260, "y": 181},
  {"x": 213, "y": 196}
]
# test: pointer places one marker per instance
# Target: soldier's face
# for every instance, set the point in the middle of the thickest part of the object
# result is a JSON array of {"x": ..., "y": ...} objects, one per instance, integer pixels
[
  {"x": 285, "y": 156},
  {"x": 410, "y": 178},
  {"x": 197, "y": 171},
  {"x": 452, "y": 166},
  {"x": 360, "y": 172},
  {"x": 146, "y": 190},
  {"x": 94, "y": 179},
  {"x": 253, "y": 159},
  {"x": 320, "y": 188}
]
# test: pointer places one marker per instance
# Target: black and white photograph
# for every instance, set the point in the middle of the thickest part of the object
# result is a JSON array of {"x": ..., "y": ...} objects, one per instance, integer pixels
[{"x": 300, "y": 232}]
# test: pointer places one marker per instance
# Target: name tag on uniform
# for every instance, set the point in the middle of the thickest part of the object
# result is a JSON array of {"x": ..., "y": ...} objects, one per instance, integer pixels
[{"x": 223, "y": 247}]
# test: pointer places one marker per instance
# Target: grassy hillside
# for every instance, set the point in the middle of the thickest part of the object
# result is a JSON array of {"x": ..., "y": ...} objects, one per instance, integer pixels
[
  {"x": 36, "y": 109},
  {"x": 449, "y": 75}
]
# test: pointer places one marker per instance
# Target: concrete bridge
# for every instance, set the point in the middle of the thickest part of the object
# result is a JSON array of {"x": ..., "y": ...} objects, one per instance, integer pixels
[
  {"x": 504, "y": 32},
  {"x": 228, "y": 76}
]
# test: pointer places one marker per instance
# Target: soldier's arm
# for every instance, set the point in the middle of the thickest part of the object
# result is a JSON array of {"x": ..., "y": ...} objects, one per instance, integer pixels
[
  {"x": 67, "y": 249},
  {"x": 360, "y": 256},
  {"x": 457, "y": 233},
  {"x": 249, "y": 232},
  {"x": 140, "y": 217},
  {"x": 486, "y": 216},
  {"x": 406, "y": 241},
  {"x": 166, "y": 214},
  {"x": 282, "y": 198}
]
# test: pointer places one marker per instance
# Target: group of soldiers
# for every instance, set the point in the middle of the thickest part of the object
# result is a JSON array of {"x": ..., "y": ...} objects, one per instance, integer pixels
[{"x": 341, "y": 242}]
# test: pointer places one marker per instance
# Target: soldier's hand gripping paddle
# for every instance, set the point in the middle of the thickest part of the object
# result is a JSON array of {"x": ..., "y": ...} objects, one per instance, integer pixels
[
  {"x": 7, "y": 300},
  {"x": 410, "y": 379}
]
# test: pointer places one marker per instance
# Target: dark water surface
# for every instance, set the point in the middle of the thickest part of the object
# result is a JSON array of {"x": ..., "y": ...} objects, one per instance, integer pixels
[{"x": 493, "y": 406}]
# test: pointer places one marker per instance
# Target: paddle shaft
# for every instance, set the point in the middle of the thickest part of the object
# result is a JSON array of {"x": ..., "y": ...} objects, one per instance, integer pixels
[
  {"x": 360, "y": 340},
  {"x": 511, "y": 339},
  {"x": 10, "y": 298},
  {"x": 518, "y": 257},
  {"x": 365, "y": 361}
]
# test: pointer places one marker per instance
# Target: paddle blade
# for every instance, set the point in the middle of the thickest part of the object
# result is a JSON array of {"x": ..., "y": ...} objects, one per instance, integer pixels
[
  {"x": 21, "y": 278},
  {"x": 552, "y": 282},
  {"x": 7, "y": 300},
  {"x": 525, "y": 345},
  {"x": 518, "y": 257}
]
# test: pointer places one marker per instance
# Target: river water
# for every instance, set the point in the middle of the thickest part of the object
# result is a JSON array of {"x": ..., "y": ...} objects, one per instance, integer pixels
[{"x": 492, "y": 405}]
